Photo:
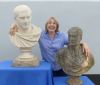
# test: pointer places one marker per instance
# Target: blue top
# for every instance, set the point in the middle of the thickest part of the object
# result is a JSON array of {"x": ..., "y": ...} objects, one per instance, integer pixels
[{"x": 49, "y": 47}]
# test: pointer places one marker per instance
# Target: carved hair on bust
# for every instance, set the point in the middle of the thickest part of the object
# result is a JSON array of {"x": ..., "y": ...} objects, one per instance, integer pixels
[
  {"x": 77, "y": 30},
  {"x": 21, "y": 8}
]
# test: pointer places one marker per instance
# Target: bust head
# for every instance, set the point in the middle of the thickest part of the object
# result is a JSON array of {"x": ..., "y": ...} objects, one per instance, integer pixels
[
  {"x": 74, "y": 35},
  {"x": 23, "y": 16}
]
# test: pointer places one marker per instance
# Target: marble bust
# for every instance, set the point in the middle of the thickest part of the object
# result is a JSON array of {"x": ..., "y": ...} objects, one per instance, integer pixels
[
  {"x": 26, "y": 37},
  {"x": 71, "y": 58}
]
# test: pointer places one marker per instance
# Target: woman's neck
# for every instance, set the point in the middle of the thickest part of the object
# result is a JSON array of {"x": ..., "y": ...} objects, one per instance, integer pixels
[{"x": 51, "y": 34}]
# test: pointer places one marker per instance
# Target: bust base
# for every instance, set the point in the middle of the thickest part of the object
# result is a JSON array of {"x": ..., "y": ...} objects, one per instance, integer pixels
[
  {"x": 74, "y": 80},
  {"x": 25, "y": 61}
]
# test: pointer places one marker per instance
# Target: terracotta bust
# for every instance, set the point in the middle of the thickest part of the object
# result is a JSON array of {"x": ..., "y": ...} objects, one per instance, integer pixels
[
  {"x": 26, "y": 36},
  {"x": 71, "y": 58}
]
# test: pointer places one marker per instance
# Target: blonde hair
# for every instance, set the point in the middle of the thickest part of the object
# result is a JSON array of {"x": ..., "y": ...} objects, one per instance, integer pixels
[{"x": 57, "y": 29}]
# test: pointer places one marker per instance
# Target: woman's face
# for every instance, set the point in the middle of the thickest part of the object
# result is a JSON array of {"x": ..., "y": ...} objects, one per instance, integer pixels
[{"x": 51, "y": 25}]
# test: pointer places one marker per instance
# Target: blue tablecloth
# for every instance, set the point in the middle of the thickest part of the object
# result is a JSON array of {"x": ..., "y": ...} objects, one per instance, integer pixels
[
  {"x": 62, "y": 80},
  {"x": 40, "y": 75}
]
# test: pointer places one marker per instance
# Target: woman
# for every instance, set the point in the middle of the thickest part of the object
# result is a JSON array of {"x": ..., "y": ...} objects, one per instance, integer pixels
[{"x": 51, "y": 40}]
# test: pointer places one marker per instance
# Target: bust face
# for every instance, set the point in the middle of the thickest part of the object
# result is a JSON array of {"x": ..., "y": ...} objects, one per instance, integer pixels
[
  {"x": 74, "y": 37},
  {"x": 23, "y": 17},
  {"x": 23, "y": 20}
]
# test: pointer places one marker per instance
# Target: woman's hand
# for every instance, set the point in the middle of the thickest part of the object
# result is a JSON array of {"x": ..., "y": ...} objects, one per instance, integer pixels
[
  {"x": 85, "y": 49},
  {"x": 13, "y": 29}
]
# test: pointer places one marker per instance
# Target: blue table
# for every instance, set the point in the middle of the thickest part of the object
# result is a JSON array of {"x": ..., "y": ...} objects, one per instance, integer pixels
[
  {"x": 62, "y": 80},
  {"x": 40, "y": 75}
]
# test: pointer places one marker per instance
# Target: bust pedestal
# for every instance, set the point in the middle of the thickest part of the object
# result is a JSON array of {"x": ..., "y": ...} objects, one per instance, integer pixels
[{"x": 26, "y": 58}]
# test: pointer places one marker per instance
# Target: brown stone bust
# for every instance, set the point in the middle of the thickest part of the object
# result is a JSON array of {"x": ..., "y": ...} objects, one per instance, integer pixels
[{"x": 71, "y": 58}]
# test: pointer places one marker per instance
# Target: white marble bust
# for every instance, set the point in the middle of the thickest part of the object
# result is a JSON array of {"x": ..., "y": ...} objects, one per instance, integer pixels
[{"x": 26, "y": 36}]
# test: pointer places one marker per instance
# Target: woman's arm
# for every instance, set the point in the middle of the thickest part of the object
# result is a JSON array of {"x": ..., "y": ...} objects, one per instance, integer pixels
[{"x": 85, "y": 49}]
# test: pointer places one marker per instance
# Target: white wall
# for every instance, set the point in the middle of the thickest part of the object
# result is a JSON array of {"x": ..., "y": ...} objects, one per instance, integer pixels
[{"x": 83, "y": 14}]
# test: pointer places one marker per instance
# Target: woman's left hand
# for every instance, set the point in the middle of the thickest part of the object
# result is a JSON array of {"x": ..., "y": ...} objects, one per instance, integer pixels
[{"x": 85, "y": 49}]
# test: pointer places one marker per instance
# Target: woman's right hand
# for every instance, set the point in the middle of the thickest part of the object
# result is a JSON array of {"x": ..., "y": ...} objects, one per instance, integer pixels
[{"x": 13, "y": 29}]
